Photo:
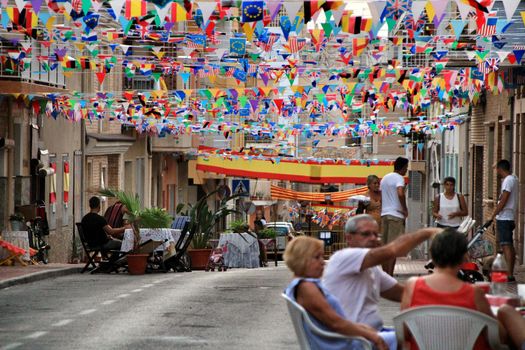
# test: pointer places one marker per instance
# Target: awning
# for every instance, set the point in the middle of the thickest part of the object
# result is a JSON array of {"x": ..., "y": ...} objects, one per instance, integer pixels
[
  {"x": 284, "y": 193},
  {"x": 260, "y": 203},
  {"x": 354, "y": 172}
]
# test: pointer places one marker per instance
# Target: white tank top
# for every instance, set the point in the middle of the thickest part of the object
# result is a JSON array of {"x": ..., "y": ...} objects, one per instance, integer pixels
[{"x": 447, "y": 207}]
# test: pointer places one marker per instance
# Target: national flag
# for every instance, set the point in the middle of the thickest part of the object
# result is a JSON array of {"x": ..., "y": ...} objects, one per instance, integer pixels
[
  {"x": 178, "y": 13},
  {"x": 272, "y": 38},
  {"x": 65, "y": 184},
  {"x": 237, "y": 46},
  {"x": 358, "y": 45},
  {"x": 489, "y": 27},
  {"x": 135, "y": 8},
  {"x": 252, "y": 11},
  {"x": 295, "y": 44},
  {"x": 311, "y": 7},
  {"x": 351, "y": 24},
  {"x": 196, "y": 41},
  {"x": 229, "y": 71},
  {"x": 239, "y": 74}
]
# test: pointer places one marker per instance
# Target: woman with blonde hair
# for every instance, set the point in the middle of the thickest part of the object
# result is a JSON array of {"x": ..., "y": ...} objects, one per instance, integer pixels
[
  {"x": 304, "y": 256},
  {"x": 372, "y": 206}
]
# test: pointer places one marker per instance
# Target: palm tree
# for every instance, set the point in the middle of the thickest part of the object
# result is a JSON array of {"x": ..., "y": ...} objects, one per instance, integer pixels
[{"x": 139, "y": 217}]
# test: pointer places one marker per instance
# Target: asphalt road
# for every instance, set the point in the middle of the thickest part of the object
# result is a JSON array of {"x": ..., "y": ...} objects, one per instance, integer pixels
[{"x": 237, "y": 309}]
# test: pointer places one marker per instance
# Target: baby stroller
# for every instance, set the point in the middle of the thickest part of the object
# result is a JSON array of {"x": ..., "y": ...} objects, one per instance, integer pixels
[{"x": 477, "y": 249}]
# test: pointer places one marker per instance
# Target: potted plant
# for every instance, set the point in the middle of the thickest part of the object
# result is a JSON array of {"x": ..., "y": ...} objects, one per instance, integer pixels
[
  {"x": 201, "y": 225},
  {"x": 139, "y": 217},
  {"x": 17, "y": 221}
]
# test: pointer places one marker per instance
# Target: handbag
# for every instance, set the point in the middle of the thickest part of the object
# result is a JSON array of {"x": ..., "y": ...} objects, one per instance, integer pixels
[{"x": 481, "y": 248}]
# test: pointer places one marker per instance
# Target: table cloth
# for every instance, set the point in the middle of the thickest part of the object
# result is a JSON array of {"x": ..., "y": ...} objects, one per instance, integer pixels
[
  {"x": 240, "y": 250},
  {"x": 156, "y": 234}
]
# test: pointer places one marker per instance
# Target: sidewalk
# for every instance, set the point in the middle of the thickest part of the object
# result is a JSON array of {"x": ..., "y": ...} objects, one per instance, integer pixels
[{"x": 13, "y": 275}]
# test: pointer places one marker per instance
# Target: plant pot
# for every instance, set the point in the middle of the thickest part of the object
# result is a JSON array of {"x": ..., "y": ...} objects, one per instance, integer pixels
[
  {"x": 199, "y": 258},
  {"x": 17, "y": 225},
  {"x": 137, "y": 263}
]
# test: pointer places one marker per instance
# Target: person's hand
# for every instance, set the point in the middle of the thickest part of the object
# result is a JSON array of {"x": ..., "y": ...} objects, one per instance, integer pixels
[
  {"x": 438, "y": 217},
  {"x": 379, "y": 342},
  {"x": 452, "y": 215}
]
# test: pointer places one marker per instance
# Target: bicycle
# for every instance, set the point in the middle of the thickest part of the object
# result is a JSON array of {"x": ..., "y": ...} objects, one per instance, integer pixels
[{"x": 37, "y": 229}]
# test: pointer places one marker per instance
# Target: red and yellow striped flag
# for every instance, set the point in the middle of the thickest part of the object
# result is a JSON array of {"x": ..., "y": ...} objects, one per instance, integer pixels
[
  {"x": 135, "y": 8},
  {"x": 178, "y": 13}
]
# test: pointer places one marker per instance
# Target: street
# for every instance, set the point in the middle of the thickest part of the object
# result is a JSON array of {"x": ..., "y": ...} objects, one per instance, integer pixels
[{"x": 237, "y": 309}]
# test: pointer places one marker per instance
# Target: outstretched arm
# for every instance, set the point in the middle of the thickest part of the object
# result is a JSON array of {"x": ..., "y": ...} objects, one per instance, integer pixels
[
  {"x": 401, "y": 246},
  {"x": 311, "y": 298}
]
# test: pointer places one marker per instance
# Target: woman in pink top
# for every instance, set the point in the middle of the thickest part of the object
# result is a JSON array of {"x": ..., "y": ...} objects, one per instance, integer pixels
[{"x": 443, "y": 287}]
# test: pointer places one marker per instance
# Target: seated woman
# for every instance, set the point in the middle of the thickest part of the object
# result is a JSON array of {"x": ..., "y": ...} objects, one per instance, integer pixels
[
  {"x": 443, "y": 287},
  {"x": 304, "y": 256}
]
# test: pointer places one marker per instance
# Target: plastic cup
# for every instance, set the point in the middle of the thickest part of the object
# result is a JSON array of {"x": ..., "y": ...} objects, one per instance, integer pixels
[{"x": 485, "y": 286}]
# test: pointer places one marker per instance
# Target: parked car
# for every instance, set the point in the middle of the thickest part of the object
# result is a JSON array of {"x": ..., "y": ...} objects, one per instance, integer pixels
[{"x": 285, "y": 232}]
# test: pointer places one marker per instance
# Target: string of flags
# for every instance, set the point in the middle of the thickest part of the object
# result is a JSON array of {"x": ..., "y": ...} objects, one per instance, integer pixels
[{"x": 144, "y": 39}]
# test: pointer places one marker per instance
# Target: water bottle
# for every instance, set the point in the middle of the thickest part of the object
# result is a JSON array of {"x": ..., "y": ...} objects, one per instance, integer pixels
[{"x": 498, "y": 276}]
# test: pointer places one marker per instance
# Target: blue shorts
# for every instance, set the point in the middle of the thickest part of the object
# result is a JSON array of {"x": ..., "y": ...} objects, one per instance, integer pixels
[{"x": 505, "y": 229}]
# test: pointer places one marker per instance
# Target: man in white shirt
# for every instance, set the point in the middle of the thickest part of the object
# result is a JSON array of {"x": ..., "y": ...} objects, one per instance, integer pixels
[
  {"x": 505, "y": 214},
  {"x": 354, "y": 277},
  {"x": 393, "y": 206}
]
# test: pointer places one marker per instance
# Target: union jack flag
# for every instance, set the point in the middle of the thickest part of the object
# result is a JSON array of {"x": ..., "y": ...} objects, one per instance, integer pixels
[{"x": 229, "y": 71}]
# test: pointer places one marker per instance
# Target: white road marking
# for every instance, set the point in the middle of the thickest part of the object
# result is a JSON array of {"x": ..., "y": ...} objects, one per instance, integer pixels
[
  {"x": 62, "y": 323},
  {"x": 123, "y": 295},
  {"x": 11, "y": 346},
  {"x": 87, "y": 312},
  {"x": 136, "y": 290},
  {"x": 36, "y": 335},
  {"x": 147, "y": 285},
  {"x": 108, "y": 302}
]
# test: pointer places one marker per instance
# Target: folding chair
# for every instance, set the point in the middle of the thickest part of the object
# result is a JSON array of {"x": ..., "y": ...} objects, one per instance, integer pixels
[
  {"x": 13, "y": 254},
  {"x": 181, "y": 261},
  {"x": 118, "y": 258},
  {"x": 446, "y": 327},
  {"x": 301, "y": 319},
  {"x": 91, "y": 252}
]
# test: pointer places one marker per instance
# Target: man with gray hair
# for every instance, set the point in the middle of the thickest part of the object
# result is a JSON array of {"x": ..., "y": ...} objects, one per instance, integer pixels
[{"x": 354, "y": 276}]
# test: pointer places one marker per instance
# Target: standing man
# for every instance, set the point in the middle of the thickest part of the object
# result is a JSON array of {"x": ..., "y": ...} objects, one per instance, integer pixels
[
  {"x": 504, "y": 214},
  {"x": 394, "y": 209},
  {"x": 354, "y": 276}
]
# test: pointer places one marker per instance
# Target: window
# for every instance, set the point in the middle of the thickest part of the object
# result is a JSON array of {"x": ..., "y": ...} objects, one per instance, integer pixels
[
  {"x": 415, "y": 186},
  {"x": 507, "y": 146},
  {"x": 128, "y": 179}
]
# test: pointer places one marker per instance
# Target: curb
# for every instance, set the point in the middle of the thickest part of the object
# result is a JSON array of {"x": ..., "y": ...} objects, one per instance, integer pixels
[{"x": 38, "y": 276}]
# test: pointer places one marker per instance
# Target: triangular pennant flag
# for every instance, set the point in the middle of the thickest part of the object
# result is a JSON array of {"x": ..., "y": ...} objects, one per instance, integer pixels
[
  {"x": 518, "y": 54},
  {"x": 502, "y": 55},
  {"x": 458, "y": 26},
  {"x": 439, "y": 7},
  {"x": 338, "y": 14},
  {"x": 417, "y": 8},
  {"x": 97, "y": 5},
  {"x": 162, "y": 12},
  {"x": 273, "y": 7},
  {"x": 510, "y": 7},
  {"x": 523, "y": 17},
  {"x": 463, "y": 8},
  {"x": 207, "y": 8},
  {"x": 100, "y": 76},
  {"x": 376, "y": 9},
  {"x": 36, "y": 5},
  {"x": 117, "y": 5},
  {"x": 292, "y": 7},
  {"x": 220, "y": 52},
  {"x": 248, "y": 28}
]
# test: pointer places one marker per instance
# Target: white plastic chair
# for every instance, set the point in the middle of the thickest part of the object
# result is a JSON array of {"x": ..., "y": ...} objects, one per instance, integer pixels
[
  {"x": 446, "y": 327},
  {"x": 300, "y": 317}
]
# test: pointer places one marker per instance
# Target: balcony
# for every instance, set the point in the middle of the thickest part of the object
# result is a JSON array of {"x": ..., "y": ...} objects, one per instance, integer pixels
[
  {"x": 34, "y": 79},
  {"x": 169, "y": 143}
]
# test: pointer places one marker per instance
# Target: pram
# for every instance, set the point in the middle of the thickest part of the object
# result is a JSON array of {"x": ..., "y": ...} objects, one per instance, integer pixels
[{"x": 477, "y": 248}]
